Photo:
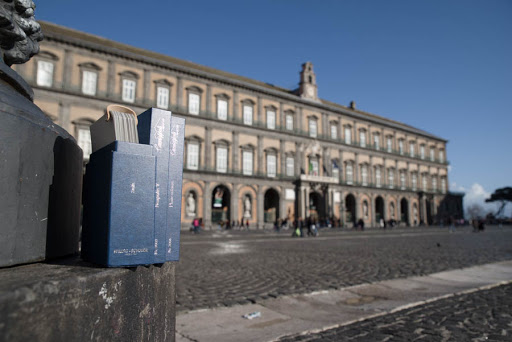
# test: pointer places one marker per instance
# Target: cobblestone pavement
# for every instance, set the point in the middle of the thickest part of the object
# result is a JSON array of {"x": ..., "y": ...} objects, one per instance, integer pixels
[
  {"x": 246, "y": 267},
  {"x": 479, "y": 316}
]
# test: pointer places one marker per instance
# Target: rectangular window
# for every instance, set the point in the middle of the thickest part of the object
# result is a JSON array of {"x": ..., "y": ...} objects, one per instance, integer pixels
[
  {"x": 335, "y": 170},
  {"x": 377, "y": 177},
  {"x": 44, "y": 73},
  {"x": 222, "y": 159},
  {"x": 193, "y": 103},
  {"x": 376, "y": 141},
  {"x": 290, "y": 166},
  {"x": 402, "y": 180},
  {"x": 271, "y": 119},
  {"x": 432, "y": 154},
  {"x": 313, "y": 166},
  {"x": 84, "y": 141},
  {"x": 362, "y": 138},
  {"x": 128, "y": 94},
  {"x": 312, "y": 128},
  {"x": 350, "y": 174},
  {"x": 247, "y": 163},
  {"x": 391, "y": 178},
  {"x": 389, "y": 144},
  {"x": 193, "y": 156},
  {"x": 434, "y": 184},
  {"x": 364, "y": 175},
  {"x": 162, "y": 97},
  {"x": 401, "y": 147},
  {"x": 334, "y": 131},
  {"x": 424, "y": 183},
  {"x": 289, "y": 122},
  {"x": 441, "y": 156},
  {"x": 247, "y": 115},
  {"x": 422, "y": 152},
  {"x": 348, "y": 135},
  {"x": 89, "y": 81},
  {"x": 411, "y": 149},
  {"x": 414, "y": 181},
  {"x": 443, "y": 185},
  {"x": 271, "y": 165},
  {"x": 222, "y": 109}
]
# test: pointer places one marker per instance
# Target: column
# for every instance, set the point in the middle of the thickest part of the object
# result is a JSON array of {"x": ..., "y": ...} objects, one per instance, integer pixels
[
  {"x": 64, "y": 117},
  {"x": 301, "y": 204},
  {"x": 282, "y": 158},
  {"x": 260, "y": 155},
  {"x": 356, "y": 168},
  {"x": 423, "y": 209},
  {"x": 386, "y": 208},
  {"x": 408, "y": 178},
  {"x": 209, "y": 99},
  {"x": 374, "y": 211},
  {"x": 299, "y": 150},
  {"x": 260, "y": 215},
  {"x": 358, "y": 207},
  {"x": 325, "y": 162},
  {"x": 282, "y": 119},
  {"x": 207, "y": 206},
  {"x": 260, "y": 112},
  {"x": 67, "y": 69},
  {"x": 306, "y": 199},
  {"x": 179, "y": 93},
  {"x": 342, "y": 209},
  {"x": 410, "y": 218},
  {"x": 370, "y": 172},
  {"x": 299, "y": 119},
  {"x": 282, "y": 204},
  {"x": 234, "y": 203},
  {"x": 147, "y": 86},
  {"x": 384, "y": 173},
  {"x": 111, "y": 80},
  {"x": 325, "y": 126},
  {"x": 235, "y": 150},
  {"x": 235, "y": 105},
  {"x": 397, "y": 175},
  {"x": 207, "y": 147},
  {"x": 342, "y": 167}
]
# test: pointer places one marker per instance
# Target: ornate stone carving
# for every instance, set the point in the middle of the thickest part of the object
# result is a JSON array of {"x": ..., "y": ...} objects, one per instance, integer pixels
[{"x": 19, "y": 31}]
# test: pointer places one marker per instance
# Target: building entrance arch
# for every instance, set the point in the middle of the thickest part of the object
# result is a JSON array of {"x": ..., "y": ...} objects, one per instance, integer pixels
[
  {"x": 221, "y": 198},
  {"x": 271, "y": 205},
  {"x": 350, "y": 209},
  {"x": 316, "y": 206},
  {"x": 404, "y": 211},
  {"x": 379, "y": 209}
]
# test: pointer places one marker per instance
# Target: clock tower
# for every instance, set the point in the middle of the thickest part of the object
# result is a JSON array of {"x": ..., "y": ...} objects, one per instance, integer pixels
[{"x": 307, "y": 86}]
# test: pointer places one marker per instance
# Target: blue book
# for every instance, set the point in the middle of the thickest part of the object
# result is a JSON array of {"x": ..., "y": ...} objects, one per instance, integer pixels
[
  {"x": 154, "y": 128},
  {"x": 175, "y": 187},
  {"x": 118, "y": 222}
]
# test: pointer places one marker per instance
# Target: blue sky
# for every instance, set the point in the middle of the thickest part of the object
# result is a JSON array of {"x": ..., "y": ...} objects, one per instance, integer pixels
[{"x": 442, "y": 66}]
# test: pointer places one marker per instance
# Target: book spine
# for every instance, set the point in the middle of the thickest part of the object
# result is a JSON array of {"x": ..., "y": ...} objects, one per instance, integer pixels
[
  {"x": 175, "y": 188},
  {"x": 154, "y": 129}
]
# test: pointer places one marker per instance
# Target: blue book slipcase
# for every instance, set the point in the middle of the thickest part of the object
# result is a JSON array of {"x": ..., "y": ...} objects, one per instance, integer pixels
[
  {"x": 154, "y": 128},
  {"x": 175, "y": 186},
  {"x": 119, "y": 216}
]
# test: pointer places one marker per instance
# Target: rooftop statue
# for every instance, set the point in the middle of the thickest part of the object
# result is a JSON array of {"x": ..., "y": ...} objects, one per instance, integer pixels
[{"x": 19, "y": 31}]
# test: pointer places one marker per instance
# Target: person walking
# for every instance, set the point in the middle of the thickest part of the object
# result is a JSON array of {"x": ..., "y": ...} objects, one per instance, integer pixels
[
  {"x": 195, "y": 223},
  {"x": 247, "y": 224}
]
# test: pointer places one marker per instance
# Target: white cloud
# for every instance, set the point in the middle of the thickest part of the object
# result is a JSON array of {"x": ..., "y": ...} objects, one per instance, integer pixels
[{"x": 477, "y": 195}]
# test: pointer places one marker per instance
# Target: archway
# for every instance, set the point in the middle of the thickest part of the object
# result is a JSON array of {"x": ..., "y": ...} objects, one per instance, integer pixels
[
  {"x": 350, "y": 209},
  {"x": 220, "y": 204},
  {"x": 379, "y": 209},
  {"x": 316, "y": 206},
  {"x": 271, "y": 205},
  {"x": 404, "y": 211}
]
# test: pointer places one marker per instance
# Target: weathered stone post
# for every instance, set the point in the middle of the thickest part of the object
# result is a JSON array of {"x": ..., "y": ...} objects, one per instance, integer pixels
[{"x": 62, "y": 299}]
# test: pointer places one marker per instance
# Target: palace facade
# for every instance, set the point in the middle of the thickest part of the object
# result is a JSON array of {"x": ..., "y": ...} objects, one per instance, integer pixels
[{"x": 253, "y": 151}]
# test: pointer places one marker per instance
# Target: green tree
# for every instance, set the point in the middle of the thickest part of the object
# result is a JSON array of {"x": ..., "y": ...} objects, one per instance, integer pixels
[{"x": 501, "y": 196}]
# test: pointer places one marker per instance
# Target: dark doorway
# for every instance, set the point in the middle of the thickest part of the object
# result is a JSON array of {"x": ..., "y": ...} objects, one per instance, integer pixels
[
  {"x": 271, "y": 205},
  {"x": 220, "y": 204},
  {"x": 430, "y": 220},
  {"x": 379, "y": 209},
  {"x": 404, "y": 211},
  {"x": 350, "y": 209},
  {"x": 316, "y": 206}
]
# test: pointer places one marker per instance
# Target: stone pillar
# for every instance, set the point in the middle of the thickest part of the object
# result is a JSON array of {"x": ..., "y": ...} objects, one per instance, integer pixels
[
  {"x": 410, "y": 212},
  {"x": 325, "y": 162},
  {"x": 386, "y": 208},
  {"x": 358, "y": 207},
  {"x": 306, "y": 199},
  {"x": 282, "y": 204},
  {"x": 259, "y": 113},
  {"x": 298, "y": 157},
  {"x": 282, "y": 158},
  {"x": 423, "y": 209},
  {"x": 356, "y": 168},
  {"x": 260, "y": 155},
  {"x": 207, "y": 206},
  {"x": 147, "y": 86},
  {"x": 299, "y": 119},
  {"x": 342, "y": 209},
  {"x": 235, "y": 105},
  {"x": 234, "y": 203},
  {"x": 397, "y": 174},
  {"x": 67, "y": 69},
  {"x": 235, "y": 163},
  {"x": 179, "y": 93},
  {"x": 207, "y": 147},
  {"x": 282, "y": 119},
  {"x": 370, "y": 172},
  {"x": 111, "y": 80},
  {"x": 209, "y": 99},
  {"x": 301, "y": 204},
  {"x": 374, "y": 210},
  {"x": 64, "y": 117},
  {"x": 325, "y": 126},
  {"x": 384, "y": 173},
  {"x": 342, "y": 167},
  {"x": 261, "y": 213}
]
